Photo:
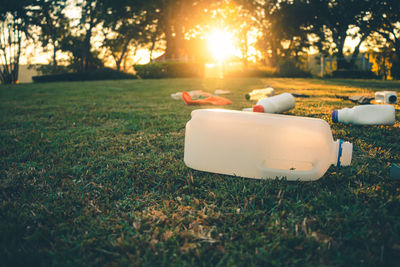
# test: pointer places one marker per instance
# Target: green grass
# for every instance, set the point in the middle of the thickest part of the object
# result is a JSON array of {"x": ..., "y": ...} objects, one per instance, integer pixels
[{"x": 92, "y": 173}]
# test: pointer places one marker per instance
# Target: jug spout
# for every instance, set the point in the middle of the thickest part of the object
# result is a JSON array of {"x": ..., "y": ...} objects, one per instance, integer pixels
[{"x": 343, "y": 152}]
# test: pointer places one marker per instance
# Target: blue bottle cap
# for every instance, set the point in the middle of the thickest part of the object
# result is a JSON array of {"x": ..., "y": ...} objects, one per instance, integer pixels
[
  {"x": 340, "y": 150},
  {"x": 335, "y": 116}
]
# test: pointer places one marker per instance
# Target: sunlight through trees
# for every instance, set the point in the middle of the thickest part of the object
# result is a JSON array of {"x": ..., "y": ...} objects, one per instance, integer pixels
[{"x": 82, "y": 35}]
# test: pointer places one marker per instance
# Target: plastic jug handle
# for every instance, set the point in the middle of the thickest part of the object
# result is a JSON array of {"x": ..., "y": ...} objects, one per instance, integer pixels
[{"x": 292, "y": 175}]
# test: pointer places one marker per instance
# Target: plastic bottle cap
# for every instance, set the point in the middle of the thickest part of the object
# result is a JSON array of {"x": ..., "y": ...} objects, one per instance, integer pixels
[
  {"x": 247, "y": 96},
  {"x": 335, "y": 116},
  {"x": 345, "y": 153},
  {"x": 258, "y": 108}
]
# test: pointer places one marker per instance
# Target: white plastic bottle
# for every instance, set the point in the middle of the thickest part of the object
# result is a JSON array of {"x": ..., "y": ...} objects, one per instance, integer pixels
[
  {"x": 387, "y": 97},
  {"x": 366, "y": 115},
  {"x": 275, "y": 104},
  {"x": 257, "y": 145},
  {"x": 258, "y": 94}
]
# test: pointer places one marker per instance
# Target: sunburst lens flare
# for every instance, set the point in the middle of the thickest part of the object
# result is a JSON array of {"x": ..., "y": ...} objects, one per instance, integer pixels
[{"x": 221, "y": 44}]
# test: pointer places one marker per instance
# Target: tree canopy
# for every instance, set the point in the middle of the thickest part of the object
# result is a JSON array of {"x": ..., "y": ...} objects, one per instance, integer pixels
[{"x": 268, "y": 31}]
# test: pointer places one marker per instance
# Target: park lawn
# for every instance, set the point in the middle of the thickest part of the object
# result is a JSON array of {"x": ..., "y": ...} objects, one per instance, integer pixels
[{"x": 92, "y": 173}]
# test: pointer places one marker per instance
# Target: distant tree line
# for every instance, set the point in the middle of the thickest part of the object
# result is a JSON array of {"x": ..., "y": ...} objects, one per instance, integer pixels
[{"x": 287, "y": 29}]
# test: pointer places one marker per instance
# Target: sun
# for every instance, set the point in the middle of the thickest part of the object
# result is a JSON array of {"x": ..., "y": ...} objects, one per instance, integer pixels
[{"x": 221, "y": 44}]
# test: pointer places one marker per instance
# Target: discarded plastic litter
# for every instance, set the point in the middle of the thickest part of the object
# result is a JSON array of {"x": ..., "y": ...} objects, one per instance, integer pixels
[
  {"x": 221, "y": 92},
  {"x": 275, "y": 104},
  {"x": 211, "y": 100},
  {"x": 362, "y": 100},
  {"x": 387, "y": 97},
  {"x": 366, "y": 115},
  {"x": 256, "y": 145},
  {"x": 177, "y": 95},
  {"x": 394, "y": 172},
  {"x": 359, "y": 99},
  {"x": 195, "y": 94},
  {"x": 258, "y": 94},
  {"x": 300, "y": 95}
]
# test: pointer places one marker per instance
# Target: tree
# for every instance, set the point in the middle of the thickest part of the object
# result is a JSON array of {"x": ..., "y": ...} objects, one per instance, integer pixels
[
  {"x": 49, "y": 16},
  {"x": 387, "y": 15},
  {"x": 154, "y": 36},
  {"x": 120, "y": 44},
  {"x": 283, "y": 25},
  {"x": 75, "y": 46},
  {"x": 335, "y": 20},
  {"x": 127, "y": 25},
  {"x": 175, "y": 19},
  {"x": 238, "y": 19},
  {"x": 14, "y": 26},
  {"x": 92, "y": 14}
]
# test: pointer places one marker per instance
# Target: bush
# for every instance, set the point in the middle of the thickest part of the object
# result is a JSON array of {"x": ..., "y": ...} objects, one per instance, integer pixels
[
  {"x": 47, "y": 69},
  {"x": 159, "y": 70},
  {"x": 100, "y": 74},
  {"x": 290, "y": 68},
  {"x": 354, "y": 74},
  {"x": 287, "y": 68},
  {"x": 251, "y": 73}
]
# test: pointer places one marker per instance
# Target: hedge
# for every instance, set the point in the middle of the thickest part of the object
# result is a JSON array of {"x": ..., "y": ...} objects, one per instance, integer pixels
[
  {"x": 100, "y": 74},
  {"x": 286, "y": 68},
  {"x": 290, "y": 68},
  {"x": 157, "y": 70},
  {"x": 354, "y": 74},
  {"x": 251, "y": 73}
]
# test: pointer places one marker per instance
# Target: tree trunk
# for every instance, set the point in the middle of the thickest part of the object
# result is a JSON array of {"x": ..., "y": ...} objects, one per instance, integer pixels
[
  {"x": 54, "y": 67},
  {"x": 357, "y": 51},
  {"x": 341, "y": 61},
  {"x": 339, "y": 36},
  {"x": 16, "y": 62},
  {"x": 118, "y": 64},
  {"x": 170, "y": 42},
  {"x": 179, "y": 28},
  {"x": 123, "y": 53},
  {"x": 397, "y": 48},
  {"x": 245, "y": 48},
  {"x": 273, "y": 60},
  {"x": 153, "y": 42},
  {"x": 11, "y": 47},
  {"x": 86, "y": 43},
  {"x": 173, "y": 29},
  {"x": 166, "y": 24},
  {"x": 86, "y": 50}
]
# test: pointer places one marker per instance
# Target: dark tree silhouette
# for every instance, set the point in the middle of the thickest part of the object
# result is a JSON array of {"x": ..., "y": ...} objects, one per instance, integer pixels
[
  {"x": 332, "y": 20},
  {"x": 49, "y": 16},
  {"x": 14, "y": 25}
]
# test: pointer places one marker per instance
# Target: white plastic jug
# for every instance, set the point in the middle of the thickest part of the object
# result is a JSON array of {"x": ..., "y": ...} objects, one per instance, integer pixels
[
  {"x": 387, "y": 97},
  {"x": 257, "y": 145},
  {"x": 258, "y": 94},
  {"x": 275, "y": 104},
  {"x": 366, "y": 115}
]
